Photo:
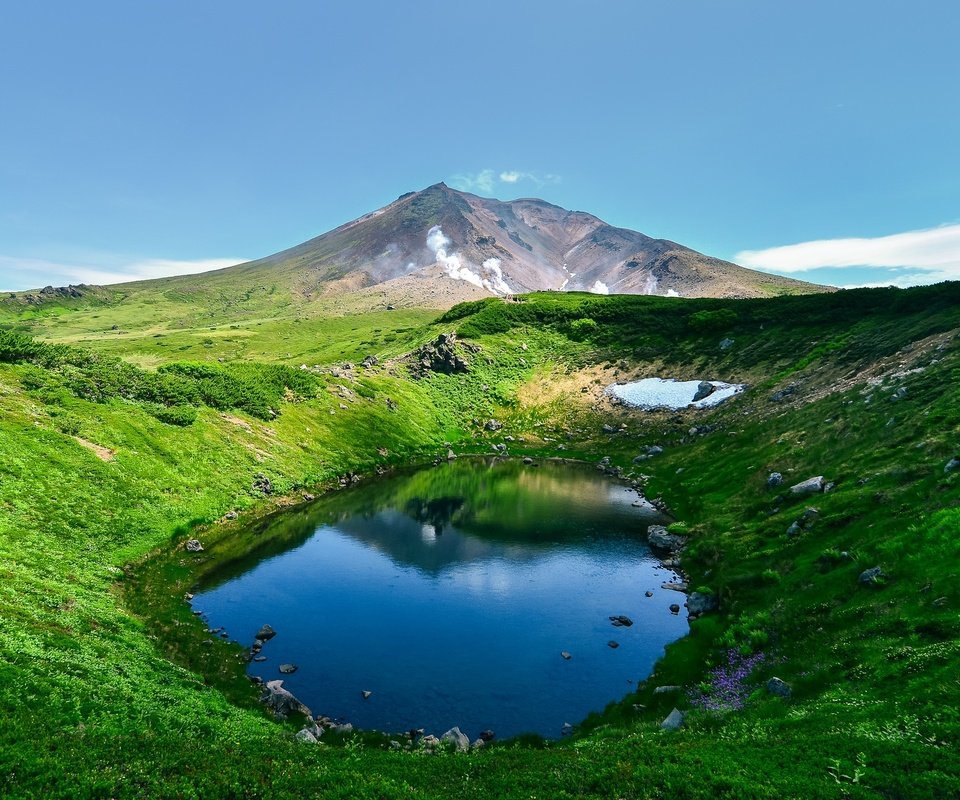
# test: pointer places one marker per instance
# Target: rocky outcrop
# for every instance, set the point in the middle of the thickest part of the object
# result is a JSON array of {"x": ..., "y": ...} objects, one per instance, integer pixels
[
  {"x": 779, "y": 688},
  {"x": 659, "y": 537},
  {"x": 280, "y": 701},
  {"x": 441, "y": 355},
  {"x": 457, "y": 738},
  {"x": 674, "y": 721},
  {"x": 193, "y": 546}
]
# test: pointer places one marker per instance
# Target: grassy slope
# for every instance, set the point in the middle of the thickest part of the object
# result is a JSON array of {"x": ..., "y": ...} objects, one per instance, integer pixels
[{"x": 91, "y": 707}]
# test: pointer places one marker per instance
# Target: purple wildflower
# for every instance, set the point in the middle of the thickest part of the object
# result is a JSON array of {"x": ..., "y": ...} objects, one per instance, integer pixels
[{"x": 725, "y": 688}]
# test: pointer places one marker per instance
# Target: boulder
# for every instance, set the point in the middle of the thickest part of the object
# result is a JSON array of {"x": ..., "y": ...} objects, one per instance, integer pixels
[
  {"x": 566, "y": 729},
  {"x": 440, "y": 355},
  {"x": 658, "y": 536},
  {"x": 871, "y": 577},
  {"x": 265, "y": 633},
  {"x": 565, "y": 655},
  {"x": 774, "y": 479},
  {"x": 193, "y": 546},
  {"x": 809, "y": 486},
  {"x": 778, "y": 687},
  {"x": 726, "y": 344},
  {"x": 305, "y": 736},
  {"x": 674, "y": 721},
  {"x": 288, "y": 669},
  {"x": 704, "y": 389},
  {"x": 451, "y": 455},
  {"x": 476, "y": 744},
  {"x": 700, "y": 603},
  {"x": 952, "y": 464},
  {"x": 613, "y": 645},
  {"x": 609, "y": 429},
  {"x": 492, "y": 425},
  {"x": 674, "y": 608},
  {"x": 457, "y": 738},
  {"x": 621, "y": 621},
  {"x": 280, "y": 701},
  {"x": 782, "y": 394},
  {"x": 487, "y": 735},
  {"x": 366, "y": 694},
  {"x": 430, "y": 741},
  {"x": 667, "y": 689},
  {"x": 261, "y": 483}
]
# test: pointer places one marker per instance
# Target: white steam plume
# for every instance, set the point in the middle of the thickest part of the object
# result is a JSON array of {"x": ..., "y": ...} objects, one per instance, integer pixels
[
  {"x": 489, "y": 277},
  {"x": 600, "y": 288}
]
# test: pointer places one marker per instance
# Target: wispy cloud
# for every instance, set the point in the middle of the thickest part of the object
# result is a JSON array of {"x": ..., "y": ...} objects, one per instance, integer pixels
[
  {"x": 18, "y": 273},
  {"x": 903, "y": 259},
  {"x": 486, "y": 181}
]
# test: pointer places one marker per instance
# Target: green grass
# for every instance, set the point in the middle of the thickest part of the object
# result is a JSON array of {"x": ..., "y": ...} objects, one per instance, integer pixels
[{"x": 106, "y": 689}]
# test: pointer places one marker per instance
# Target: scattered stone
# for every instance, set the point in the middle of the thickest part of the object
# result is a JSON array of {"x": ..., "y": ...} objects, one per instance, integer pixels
[
  {"x": 366, "y": 694},
  {"x": 778, "y": 687},
  {"x": 265, "y": 633},
  {"x": 492, "y": 425},
  {"x": 704, "y": 389},
  {"x": 774, "y": 479},
  {"x": 305, "y": 736},
  {"x": 288, "y": 669},
  {"x": 667, "y": 689},
  {"x": 261, "y": 483},
  {"x": 726, "y": 344},
  {"x": 871, "y": 577},
  {"x": 700, "y": 603},
  {"x": 952, "y": 464},
  {"x": 658, "y": 536},
  {"x": 613, "y": 645},
  {"x": 280, "y": 701},
  {"x": 457, "y": 738},
  {"x": 565, "y": 655},
  {"x": 193, "y": 546},
  {"x": 621, "y": 621},
  {"x": 674, "y": 721},
  {"x": 809, "y": 486},
  {"x": 674, "y": 608}
]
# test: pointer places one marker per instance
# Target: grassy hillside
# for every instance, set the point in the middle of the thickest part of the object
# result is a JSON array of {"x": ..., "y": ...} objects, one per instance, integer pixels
[{"x": 106, "y": 687}]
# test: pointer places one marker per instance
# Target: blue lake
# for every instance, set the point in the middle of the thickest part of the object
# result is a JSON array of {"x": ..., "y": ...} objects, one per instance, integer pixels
[{"x": 450, "y": 594}]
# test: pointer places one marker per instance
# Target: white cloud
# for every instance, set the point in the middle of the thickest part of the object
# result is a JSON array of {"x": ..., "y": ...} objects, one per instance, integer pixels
[
  {"x": 910, "y": 258},
  {"x": 19, "y": 273},
  {"x": 486, "y": 181}
]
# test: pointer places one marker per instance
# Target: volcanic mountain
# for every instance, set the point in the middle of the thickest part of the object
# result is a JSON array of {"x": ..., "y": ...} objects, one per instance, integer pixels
[{"x": 443, "y": 242}]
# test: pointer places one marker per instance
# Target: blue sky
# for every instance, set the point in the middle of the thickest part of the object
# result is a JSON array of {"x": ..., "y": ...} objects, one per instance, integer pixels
[{"x": 819, "y": 139}]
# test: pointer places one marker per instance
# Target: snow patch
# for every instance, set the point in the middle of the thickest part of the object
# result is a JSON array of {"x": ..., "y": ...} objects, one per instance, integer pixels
[{"x": 669, "y": 393}]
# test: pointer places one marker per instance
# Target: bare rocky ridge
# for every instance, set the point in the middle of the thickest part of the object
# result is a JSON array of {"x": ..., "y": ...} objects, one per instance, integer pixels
[{"x": 454, "y": 245}]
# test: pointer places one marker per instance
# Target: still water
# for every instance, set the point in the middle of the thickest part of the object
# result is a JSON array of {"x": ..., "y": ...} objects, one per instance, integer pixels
[{"x": 450, "y": 593}]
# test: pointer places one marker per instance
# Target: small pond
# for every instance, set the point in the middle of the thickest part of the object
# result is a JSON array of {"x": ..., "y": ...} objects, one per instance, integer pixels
[{"x": 453, "y": 594}]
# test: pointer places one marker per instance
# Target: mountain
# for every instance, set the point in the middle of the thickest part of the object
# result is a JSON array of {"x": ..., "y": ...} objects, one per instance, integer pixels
[{"x": 508, "y": 247}]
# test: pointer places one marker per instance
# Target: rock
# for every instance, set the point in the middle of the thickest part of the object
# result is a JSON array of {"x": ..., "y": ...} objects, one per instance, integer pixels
[
  {"x": 648, "y": 593},
  {"x": 704, "y": 388},
  {"x": 193, "y": 546},
  {"x": 778, "y": 687},
  {"x": 621, "y": 621},
  {"x": 566, "y": 729},
  {"x": 451, "y": 455},
  {"x": 231, "y": 515},
  {"x": 674, "y": 721},
  {"x": 305, "y": 736},
  {"x": 794, "y": 530},
  {"x": 492, "y": 425},
  {"x": 675, "y": 586},
  {"x": 774, "y": 479},
  {"x": 667, "y": 689},
  {"x": 613, "y": 645},
  {"x": 457, "y": 738},
  {"x": 280, "y": 701},
  {"x": 952, "y": 464},
  {"x": 440, "y": 355},
  {"x": 487, "y": 735},
  {"x": 726, "y": 344},
  {"x": 261, "y": 483},
  {"x": 782, "y": 394},
  {"x": 476, "y": 744},
  {"x": 288, "y": 669},
  {"x": 345, "y": 728},
  {"x": 309, "y": 498},
  {"x": 674, "y": 608},
  {"x": 658, "y": 536},
  {"x": 430, "y": 741},
  {"x": 259, "y": 659},
  {"x": 366, "y": 694},
  {"x": 265, "y": 633},
  {"x": 528, "y": 461},
  {"x": 609, "y": 429},
  {"x": 700, "y": 603},
  {"x": 565, "y": 655},
  {"x": 871, "y": 577},
  {"x": 369, "y": 361},
  {"x": 809, "y": 486}
]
